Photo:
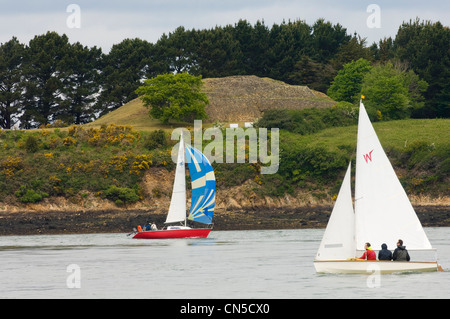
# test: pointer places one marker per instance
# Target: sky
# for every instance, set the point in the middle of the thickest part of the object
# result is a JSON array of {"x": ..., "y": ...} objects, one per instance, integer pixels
[{"x": 103, "y": 23}]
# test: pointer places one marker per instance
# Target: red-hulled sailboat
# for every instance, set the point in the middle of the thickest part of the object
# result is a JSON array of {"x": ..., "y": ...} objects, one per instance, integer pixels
[{"x": 203, "y": 198}]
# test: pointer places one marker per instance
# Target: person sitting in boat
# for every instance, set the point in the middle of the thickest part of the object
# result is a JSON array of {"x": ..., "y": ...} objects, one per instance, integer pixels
[
  {"x": 154, "y": 226},
  {"x": 148, "y": 227},
  {"x": 400, "y": 253},
  {"x": 384, "y": 253},
  {"x": 369, "y": 254}
]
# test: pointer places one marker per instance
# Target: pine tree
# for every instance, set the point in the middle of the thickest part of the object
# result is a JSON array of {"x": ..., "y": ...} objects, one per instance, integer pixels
[
  {"x": 288, "y": 44},
  {"x": 11, "y": 60},
  {"x": 81, "y": 83},
  {"x": 425, "y": 46},
  {"x": 124, "y": 68},
  {"x": 217, "y": 53},
  {"x": 43, "y": 76}
]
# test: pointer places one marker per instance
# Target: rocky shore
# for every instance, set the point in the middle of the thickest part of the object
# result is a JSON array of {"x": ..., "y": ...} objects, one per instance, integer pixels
[{"x": 123, "y": 220}]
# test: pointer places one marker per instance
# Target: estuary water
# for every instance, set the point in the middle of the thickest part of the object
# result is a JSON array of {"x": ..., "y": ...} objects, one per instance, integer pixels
[{"x": 258, "y": 264}]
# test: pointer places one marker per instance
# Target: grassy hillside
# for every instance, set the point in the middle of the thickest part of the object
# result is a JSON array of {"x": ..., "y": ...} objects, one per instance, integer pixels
[
  {"x": 135, "y": 114},
  {"x": 418, "y": 149},
  {"x": 110, "y": 163},
  {"x": 233, "y": 99},
  {"x": 392, "y": 134}
]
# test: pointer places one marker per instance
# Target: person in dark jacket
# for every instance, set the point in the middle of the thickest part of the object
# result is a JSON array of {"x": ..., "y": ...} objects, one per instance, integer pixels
[
  {"x": 400, "y": 253},
  {"x": 384, "y": 253}
]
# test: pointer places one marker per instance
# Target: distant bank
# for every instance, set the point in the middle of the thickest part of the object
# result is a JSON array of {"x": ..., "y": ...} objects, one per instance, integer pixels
[{"x": 123, "y": 221}]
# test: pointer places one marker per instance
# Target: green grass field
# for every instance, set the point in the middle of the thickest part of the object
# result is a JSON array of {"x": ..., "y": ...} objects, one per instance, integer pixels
[
  {"x": 133, "y": 113},
  {"x": 392, "y": 134}
]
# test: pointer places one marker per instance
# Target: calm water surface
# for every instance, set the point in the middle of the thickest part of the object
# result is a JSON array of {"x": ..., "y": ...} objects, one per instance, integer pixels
[{"x": 228, "y": 264}]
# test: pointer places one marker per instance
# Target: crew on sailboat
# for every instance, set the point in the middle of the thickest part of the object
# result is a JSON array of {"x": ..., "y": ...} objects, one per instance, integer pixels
[
  {"x": 369, "y": 254},
  {"x": 148, "y": 227},
  {"x": 400, "y": 253},
  {"x": 379, "y": 196},
  {"x": 384, "y": 253}
]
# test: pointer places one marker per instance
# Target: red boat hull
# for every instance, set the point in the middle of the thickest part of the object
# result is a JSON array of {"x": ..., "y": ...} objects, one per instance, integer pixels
[{"x": 174, "y": 233}]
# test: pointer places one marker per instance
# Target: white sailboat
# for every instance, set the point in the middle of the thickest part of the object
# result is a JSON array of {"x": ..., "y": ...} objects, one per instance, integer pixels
[{"x": 382, "y": 214}]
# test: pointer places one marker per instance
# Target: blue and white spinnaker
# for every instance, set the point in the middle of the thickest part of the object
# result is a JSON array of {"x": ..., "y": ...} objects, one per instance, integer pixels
[{"x": 203, "y": 186}]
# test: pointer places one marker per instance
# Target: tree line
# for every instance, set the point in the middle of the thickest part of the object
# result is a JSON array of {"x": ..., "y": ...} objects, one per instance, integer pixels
[{"x": 50, "y": 79}]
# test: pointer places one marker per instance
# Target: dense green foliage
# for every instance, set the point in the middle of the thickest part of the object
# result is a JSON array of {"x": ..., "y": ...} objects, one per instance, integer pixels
[
  {"x": 425, "y": 46},
  {"x": 315, "y": 162},
  {"x": 156, "y": 139},
  {"x": 317, "y": 144},
  {"x": 347, "y": 84},
  {"x": 50, "y": 79},
  {"x": 174, "y": 97},
  {"x": 391, "y": 92},
  {"x": 308, "y": 121},
  {"x": 121, "y": 195},
  {"x": 110, "y": 162},
  {"x": 29, "y": 195}
]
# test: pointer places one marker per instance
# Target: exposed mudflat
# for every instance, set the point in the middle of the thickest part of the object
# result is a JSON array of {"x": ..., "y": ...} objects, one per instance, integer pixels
[{"x": 122, "y": 220}]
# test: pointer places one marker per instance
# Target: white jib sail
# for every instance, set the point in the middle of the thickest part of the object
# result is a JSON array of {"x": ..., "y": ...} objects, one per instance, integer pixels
[
  {"x": 338, "y": 242},
  {"x": 383, "y": 212},
  {"x": 177, "y": 208}
]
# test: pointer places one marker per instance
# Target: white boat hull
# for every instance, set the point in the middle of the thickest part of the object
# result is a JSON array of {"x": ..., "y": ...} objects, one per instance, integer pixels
[{"x": 370, "y": 267}]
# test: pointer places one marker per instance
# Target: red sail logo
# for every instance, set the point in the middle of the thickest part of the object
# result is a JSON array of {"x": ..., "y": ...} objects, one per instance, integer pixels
[{"x": 368, "y": 157}]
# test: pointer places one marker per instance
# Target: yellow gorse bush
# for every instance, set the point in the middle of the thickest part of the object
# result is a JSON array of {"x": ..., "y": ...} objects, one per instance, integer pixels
[
  {"x": 77, "y": 159},
  {"x": 10, "y": 166},
  {"x": 118, "y": 162},
  {"x": 106, "y": 135},
  {"x": 68, "y": 141},
  {"x": 140, "y": 164}
]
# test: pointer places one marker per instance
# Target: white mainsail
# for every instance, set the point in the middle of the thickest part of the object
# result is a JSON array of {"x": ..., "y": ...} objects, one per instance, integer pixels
[
  {"x": 338, "y": 242},
  {"x": 177, "y": 208},
  {"x": 383, "y": 212}
]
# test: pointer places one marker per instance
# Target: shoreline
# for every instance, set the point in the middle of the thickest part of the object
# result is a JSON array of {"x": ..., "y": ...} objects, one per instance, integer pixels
[{"x": 123, "y": 221}]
